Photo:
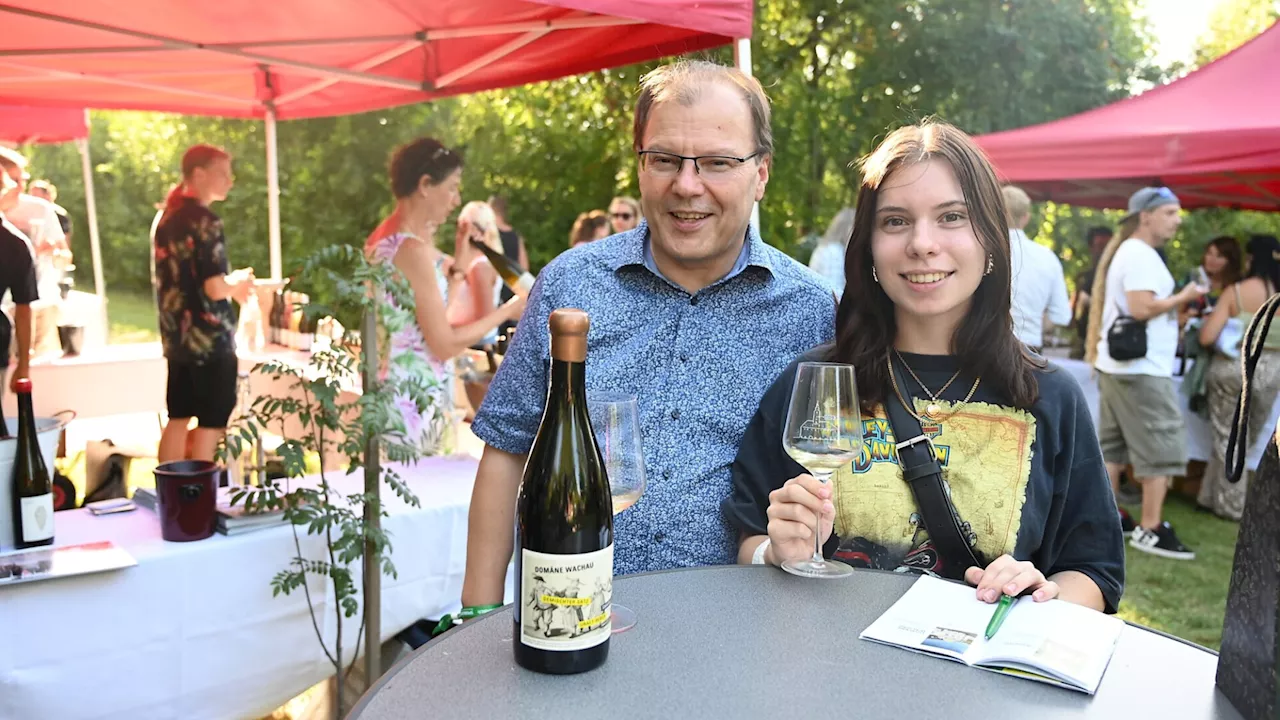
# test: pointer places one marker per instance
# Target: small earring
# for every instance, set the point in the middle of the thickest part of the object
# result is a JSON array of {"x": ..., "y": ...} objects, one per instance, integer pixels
[
  {"x": 874, "y": 276},
  {"x": 991, "y": 264}
]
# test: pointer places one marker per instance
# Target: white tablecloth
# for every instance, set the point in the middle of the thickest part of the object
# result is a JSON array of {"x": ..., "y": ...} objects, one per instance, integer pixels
[
  {"x": 193, "y": 632},
  {"x": 1199, "y": 434}
]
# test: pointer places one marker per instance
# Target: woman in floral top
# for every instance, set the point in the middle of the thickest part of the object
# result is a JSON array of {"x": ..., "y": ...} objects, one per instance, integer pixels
[{"x": 420, "y": 342}]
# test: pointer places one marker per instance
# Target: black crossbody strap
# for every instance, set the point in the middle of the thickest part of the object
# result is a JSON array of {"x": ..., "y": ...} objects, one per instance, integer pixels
[{"x": 920, "y": 470}]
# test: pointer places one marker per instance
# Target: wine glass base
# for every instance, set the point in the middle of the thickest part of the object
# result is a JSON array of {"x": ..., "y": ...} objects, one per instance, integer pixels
[
  {"x": 818, "y": 569},
  {"x": 624, "y": 618}
]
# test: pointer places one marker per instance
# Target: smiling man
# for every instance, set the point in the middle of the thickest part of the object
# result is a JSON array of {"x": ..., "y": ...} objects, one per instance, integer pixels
[{"x": 691, "y": 312}]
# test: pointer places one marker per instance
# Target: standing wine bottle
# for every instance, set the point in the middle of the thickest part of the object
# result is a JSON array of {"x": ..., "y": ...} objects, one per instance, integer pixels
[
  {"x": 564, "y": 523},
  {"x": 32, "y": 488},
  {"x": 4, "y": 425},
  {"x": 515, "y": 277}
]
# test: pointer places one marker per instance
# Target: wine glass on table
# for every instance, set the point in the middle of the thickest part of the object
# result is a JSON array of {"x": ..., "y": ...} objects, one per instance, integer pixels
[
  {"x": 823, "y": 433},
  {"x": 615, "y": 420}
]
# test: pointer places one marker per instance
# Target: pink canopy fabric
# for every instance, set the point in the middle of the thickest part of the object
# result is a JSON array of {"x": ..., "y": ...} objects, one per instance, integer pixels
[
  {"x": 20, "y": 125},
  {"x": 1213, "y": 137},
  {"x": 306, "y": 59}
]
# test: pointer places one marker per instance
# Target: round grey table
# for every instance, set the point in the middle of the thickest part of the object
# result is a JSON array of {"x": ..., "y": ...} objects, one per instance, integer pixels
[{"x": 754, "y": 642}]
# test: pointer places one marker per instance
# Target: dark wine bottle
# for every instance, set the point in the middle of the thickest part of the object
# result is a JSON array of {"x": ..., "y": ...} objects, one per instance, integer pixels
[
  {"x": 515, "y": 277},
  {"x": 564, "y": 523},
  {"x": 32, "y": 487},
  {"x": 4, "y": 425}
]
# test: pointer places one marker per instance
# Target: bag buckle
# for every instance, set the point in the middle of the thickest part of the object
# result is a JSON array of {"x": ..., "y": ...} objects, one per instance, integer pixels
[{"x": 921, "y": 438}]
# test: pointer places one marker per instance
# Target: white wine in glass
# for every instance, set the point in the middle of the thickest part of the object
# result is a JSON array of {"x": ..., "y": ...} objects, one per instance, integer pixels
[
  {"x": 823, "y": 433},
  {"x": 615, "y": 420}
]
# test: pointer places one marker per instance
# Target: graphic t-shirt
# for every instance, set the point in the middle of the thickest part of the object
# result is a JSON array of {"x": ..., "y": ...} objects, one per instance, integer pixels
[
  {"x": 189, "y": 249},
  {"x": 1030, "y": 484}
]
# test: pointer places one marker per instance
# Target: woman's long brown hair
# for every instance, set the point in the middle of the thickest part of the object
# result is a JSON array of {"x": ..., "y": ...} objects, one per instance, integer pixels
[{"x": 984, "y": 341}]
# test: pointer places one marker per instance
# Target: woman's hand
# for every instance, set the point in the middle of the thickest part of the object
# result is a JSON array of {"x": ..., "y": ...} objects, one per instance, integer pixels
[
  {"x": 793, "y": 512},
  {"x": 514, "y": 308},
  {"x": 1006, "y": 576}
]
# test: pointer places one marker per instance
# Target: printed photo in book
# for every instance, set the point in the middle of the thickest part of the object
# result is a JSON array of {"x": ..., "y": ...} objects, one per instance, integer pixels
[{"x": 1054, "y": 642}]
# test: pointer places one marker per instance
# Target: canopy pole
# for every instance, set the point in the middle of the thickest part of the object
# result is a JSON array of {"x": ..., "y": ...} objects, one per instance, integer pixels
[
  {"x": 273, "y": 196},
  {"x": 742, "y": 61},
  {"x": 91, "y": 209}
]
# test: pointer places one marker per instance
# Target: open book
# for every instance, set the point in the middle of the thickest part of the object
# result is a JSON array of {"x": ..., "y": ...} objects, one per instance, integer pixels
[{"x": 1054, "y": 642}]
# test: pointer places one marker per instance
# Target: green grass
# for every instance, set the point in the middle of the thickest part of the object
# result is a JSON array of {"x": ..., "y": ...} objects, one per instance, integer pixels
[
  {"x": 131, "y": 318},
  {"x": 1183, "y": 598}
]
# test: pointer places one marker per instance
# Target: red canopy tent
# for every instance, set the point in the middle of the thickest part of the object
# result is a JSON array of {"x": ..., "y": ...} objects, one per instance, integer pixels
[
  {"x": 1213, "y": 137},
  {"x": 297, "y": 58}
]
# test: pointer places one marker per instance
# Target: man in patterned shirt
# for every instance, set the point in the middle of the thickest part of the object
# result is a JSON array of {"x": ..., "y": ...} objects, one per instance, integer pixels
[
  {"x": 691, "y": 312},
  {"x": 194, "y": 289}
]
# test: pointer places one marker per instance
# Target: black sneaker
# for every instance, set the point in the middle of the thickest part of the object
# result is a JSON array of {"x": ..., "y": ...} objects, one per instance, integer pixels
[
  {"x": 1126, "y": 522},
  {"x": 1162, "y": 541}
]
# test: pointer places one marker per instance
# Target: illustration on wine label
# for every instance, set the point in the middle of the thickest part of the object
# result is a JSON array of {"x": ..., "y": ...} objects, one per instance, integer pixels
[{"x": 566, "y": 599}]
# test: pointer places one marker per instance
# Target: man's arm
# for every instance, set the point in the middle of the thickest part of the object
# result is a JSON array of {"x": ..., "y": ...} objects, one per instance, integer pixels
[
  {"x": 490, "y": 526},
  {"x": 1143, "y": 304},
  {"x": 522, "y": 254},
  {"x": 233, "y": 285},
  {"x": 1059, "y": 309}
]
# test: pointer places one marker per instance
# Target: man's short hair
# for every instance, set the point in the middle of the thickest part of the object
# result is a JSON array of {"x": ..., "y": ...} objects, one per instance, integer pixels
[
  {"x": 682, "y": 81},
  {"x": 1016, "y": 203},
  {"x": 49, "y": 189}
]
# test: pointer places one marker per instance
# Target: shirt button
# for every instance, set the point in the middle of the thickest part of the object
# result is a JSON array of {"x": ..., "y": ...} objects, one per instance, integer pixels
[
  {"x": 693, "y": 300},
  {"x": 675, "y": 414},
  {"x": 684, "y": 357},
  {"x": 659, "y": 536},
  {"x": 666, "y": 474}
]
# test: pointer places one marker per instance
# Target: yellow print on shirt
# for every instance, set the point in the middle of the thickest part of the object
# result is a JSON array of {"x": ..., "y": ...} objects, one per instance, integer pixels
[{"x": 985, "y": 453}]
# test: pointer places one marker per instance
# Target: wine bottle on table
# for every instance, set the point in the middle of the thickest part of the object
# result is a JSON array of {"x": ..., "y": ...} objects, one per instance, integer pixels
[
  {"x": 564, "y": 523},
  {"x": 519, "y": 280},
  {"x": 32, "y": 487}
]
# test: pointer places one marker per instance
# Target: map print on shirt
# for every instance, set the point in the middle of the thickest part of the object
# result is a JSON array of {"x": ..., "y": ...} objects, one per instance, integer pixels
[{"x": 985, "y": 453}]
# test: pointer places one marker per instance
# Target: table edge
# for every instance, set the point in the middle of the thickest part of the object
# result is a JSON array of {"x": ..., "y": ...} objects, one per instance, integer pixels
[{"x": 366, "y": 697}]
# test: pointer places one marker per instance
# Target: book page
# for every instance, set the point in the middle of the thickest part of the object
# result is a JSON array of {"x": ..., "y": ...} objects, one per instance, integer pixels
[
  {"x": 937, "y": 617},
  {"x": 1070, "y": 642}
]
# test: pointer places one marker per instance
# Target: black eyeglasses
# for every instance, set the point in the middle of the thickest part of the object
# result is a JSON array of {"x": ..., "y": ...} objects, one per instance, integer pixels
[
  {"x": 621, "y": 216},
  {"x": 665, "y": 164}
]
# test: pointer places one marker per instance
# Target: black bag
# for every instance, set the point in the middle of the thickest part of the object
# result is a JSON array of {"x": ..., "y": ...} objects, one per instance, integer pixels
[
  {"x": 951, "y": 536},
  {"x": 1127, "y": 338},
  {"x": 1248, "y": 665}
]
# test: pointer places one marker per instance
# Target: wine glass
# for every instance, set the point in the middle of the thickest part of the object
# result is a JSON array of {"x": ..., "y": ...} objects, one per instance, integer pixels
[
  {"x": 615, "y": 420},
  {"x": 823, "y": 433}
]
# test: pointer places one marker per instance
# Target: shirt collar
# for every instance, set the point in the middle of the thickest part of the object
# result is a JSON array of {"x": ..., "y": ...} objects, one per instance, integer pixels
[{"x": 634, "y": 250}]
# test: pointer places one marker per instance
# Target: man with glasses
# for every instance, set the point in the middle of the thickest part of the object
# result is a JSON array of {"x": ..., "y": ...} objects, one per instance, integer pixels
[
  {"x": 624, "y": 214},
  {"x": 691, "y": 312},
  {"x": 1140, "y": 421}
]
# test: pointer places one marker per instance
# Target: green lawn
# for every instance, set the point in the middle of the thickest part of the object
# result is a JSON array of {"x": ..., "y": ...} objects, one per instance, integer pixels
[
  {"x": 1183, "y": 598},
  {"x": 132, "y": 318}
]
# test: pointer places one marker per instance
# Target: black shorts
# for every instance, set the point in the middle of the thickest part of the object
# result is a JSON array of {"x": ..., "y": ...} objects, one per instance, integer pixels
[{"x": 206, "y": 392}]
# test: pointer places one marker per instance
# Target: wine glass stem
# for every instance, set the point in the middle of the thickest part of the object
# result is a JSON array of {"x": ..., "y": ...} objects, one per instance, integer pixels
[{"x": 824, "y": 478}]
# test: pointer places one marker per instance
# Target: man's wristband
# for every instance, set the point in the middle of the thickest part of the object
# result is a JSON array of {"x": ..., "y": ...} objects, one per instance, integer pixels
[{"x": 466, "y": 613}]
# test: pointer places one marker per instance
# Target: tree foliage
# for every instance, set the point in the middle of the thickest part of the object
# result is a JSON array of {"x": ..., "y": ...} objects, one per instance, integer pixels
[{"x": 840, "y": 74}]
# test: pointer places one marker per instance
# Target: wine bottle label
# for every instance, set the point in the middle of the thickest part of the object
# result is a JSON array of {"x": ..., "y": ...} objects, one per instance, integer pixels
[
  {"x": 37, "y": 518},
  {"x": 567, "y": 599}
]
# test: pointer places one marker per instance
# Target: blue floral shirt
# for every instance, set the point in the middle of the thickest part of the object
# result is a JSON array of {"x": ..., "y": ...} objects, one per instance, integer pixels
[{"x": 698, "y": 364}]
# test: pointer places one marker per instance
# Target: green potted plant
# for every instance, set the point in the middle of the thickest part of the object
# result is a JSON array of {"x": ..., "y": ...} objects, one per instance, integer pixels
[{"x": 377, "y": 425}]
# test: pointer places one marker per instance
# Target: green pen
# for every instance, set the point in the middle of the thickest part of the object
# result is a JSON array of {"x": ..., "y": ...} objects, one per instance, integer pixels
[{"x": 997, "y": 618}]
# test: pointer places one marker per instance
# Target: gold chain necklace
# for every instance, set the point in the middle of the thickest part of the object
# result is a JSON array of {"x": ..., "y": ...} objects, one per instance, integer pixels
[
  {"x": 933, "y": 411},
  {"x": 932, "y": 395}
]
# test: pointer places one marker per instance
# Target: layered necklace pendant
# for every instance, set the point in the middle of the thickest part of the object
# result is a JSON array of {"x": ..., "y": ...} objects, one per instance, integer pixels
[{"x": 933, "y": 411}]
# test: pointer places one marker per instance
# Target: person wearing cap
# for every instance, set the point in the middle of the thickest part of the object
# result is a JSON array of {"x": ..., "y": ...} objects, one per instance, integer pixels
[
  {"x": 1139, "y": 418},
  {"x": 1039, "y": 288}
]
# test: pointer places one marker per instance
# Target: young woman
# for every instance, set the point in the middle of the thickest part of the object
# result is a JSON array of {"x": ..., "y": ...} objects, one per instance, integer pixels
[
  {"x": 1223, "y": 382},
  {"x": 928, "y": 299},
  {"x": 425, "y": 176},
  {"x": 481, "y": 292},
  {"x": 589, "y": 227},
  {"x": 1221, "y": 262}
]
